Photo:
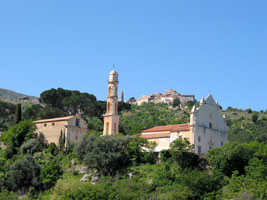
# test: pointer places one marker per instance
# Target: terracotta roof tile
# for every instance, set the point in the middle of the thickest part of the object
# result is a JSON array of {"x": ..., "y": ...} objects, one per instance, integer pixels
[
  {"x": 54, "y": 119},
  {"x": 175, "y": 127},
  {"x": 156, "y": 135}
]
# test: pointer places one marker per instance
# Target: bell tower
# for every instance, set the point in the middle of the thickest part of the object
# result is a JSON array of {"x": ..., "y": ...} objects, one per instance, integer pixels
[{"x": 111, "y": 118}]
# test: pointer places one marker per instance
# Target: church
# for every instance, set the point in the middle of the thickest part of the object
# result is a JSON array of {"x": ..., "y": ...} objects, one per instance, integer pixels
[{"x": 207, "y": 129}]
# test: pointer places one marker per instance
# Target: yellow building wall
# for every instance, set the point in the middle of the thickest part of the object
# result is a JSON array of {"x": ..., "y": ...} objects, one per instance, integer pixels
[{"x": 52, "y": 130}]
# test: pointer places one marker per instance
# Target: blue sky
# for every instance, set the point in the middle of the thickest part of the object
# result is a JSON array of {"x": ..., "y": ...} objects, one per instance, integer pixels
[{"x": 195, "y": 47}]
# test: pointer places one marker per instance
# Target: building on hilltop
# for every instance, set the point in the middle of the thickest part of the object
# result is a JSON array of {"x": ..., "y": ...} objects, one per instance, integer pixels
[
  {"x": 72, "y": 126},
  {"x": 111, "y": 118},
  {"x": 168, "y": 97},
  {"x": 207, "y": 129}
]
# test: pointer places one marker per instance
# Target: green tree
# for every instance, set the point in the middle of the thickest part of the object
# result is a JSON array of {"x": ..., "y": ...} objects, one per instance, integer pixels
[
  {"x": 62, "y": 141},
  {"x": 182, "y": 153},
  {"x": 106, "y": 154},
  {"x": 230, "y": 157},
  {"x": 176, "y": 102},
  {"x": 16, "y": 135},
  {"x": 31, "y": 146},
  {"x": 202, "y": 184},
  {"x": 52, "y": 148},
  {"x": 249, "y": 111},
  {"x": 50, "y": 173},
  {"x": 18, "y": 116},
  {"x": 23, "y": 173},
  {"x": 244, "y": 187},
  {"x": 6, "y": 195},
  {"x": 254, "y": 117}
]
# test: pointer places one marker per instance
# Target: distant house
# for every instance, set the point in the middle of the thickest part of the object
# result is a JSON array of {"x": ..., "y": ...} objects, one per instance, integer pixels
[
  {"x": 72, "y": 126},
  {"x": 168, "y": 97},
  {"x": 207, "y": 129}
]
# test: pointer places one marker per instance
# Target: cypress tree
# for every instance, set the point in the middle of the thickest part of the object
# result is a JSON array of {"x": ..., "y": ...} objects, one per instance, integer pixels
[
  {"x": 18, "y": 113},
  {"x": 61, "y": 141}
]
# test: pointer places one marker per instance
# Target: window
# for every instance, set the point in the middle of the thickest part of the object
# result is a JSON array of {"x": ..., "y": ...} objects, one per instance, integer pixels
[
  {"x": 53, "y": 124},
  {"x": 109, "y": 91},
  {"x": 199, "y": 150},
  {"x": 44, "y": 125},
  {"x": 210, "y": 125},
  {"x": 199, "y": 139},
  {"x": 108, "y": 107},
  {"x": 221, "y": 143},
  {"x": 77, "y": 122}
]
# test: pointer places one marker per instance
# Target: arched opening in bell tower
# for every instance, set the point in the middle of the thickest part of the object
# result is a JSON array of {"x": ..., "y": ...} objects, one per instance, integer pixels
[
  {"x": 109, "y": 91},
  {"x": 108, "y": 108}
]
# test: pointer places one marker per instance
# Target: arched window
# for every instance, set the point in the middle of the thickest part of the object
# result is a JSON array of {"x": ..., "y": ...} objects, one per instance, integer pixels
[
  {"x": 108, "y": 109},
  {"x": 109, "y": 91},
  {"x": 107, "y": 128}
]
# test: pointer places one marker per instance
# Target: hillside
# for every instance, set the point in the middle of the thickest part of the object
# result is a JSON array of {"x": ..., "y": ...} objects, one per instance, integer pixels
[
  {"x": 241, "y": 127},
  {"x": 14, "y": 97}
]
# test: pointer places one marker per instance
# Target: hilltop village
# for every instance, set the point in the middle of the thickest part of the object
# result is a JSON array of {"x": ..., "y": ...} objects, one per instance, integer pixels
[
  {"x": 69, "y": 145},
  {"x": 207, "y": 127}
]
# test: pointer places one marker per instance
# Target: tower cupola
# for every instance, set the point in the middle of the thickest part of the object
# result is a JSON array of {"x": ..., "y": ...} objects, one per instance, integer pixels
[{"x": 113, "y": 76}]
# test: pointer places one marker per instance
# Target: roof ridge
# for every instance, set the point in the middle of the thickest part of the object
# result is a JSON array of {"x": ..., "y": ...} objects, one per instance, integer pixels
[{"x": 55, "y": 119}]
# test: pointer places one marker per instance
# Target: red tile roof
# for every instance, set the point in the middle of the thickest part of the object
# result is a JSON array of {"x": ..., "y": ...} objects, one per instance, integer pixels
[
  {"x": 54, "y": 119},
  {"x": 172, "y": 128},
  {"x": 156, "y": 135}
]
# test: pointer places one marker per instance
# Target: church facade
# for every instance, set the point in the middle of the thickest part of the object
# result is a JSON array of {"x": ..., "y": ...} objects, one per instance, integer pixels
[
  {"x": 111, "y": 118},
  {"x": 73, "y": 127},
  {"x": 207, "y": 129}
]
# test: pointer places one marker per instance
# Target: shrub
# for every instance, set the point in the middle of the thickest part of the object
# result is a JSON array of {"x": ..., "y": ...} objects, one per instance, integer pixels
[
  {"x": 52, "y": 148},
  {"x": 76, "y": 190},
  {"x": 130, "y": 189},
  {"x": 106, "y": 154},
  {"x": 24, "y": 173},
  {"x": 254, "y": 117},
  {"x": 182, "y": 153},
  {"x": 165, "y": 155},
  {"x": 50, "y": 173},
  {"x": 16, "y": 135},
  {"x": 201, "y": 183},
  {"x": 6, "y": 195},
  {"x": 230, "y": 157},
  {"x": 242, "y": 187},
  {"x": 249, "y": 110},
  {"x": 31, "y": 146}
]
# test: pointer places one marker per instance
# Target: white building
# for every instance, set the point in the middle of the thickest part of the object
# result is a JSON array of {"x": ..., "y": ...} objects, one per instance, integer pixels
[{"x": 207, "y": 129}]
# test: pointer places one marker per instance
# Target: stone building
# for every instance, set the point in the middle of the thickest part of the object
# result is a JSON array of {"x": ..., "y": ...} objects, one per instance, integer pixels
[
  {"x": 207, "y": 129},
  {"x": 72, "y": 126},
  {"x": 168, "y": 97},
  {"x": 111, "y": 118}
]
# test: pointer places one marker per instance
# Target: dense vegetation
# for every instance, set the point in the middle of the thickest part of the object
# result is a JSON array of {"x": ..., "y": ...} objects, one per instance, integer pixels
[{"x": 117, "y": 167}]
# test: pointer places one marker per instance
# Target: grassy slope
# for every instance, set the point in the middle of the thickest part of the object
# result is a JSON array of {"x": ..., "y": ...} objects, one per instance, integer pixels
[{"x": 149, "y": 114}]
